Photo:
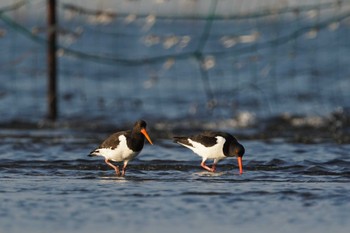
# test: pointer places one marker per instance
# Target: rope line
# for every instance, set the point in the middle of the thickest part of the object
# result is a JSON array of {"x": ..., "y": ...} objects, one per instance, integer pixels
[{"x": 196, "y": 53}]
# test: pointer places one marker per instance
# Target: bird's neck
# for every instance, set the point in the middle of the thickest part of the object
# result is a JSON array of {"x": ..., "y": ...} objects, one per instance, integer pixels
[{"x": 137, "y": 135}]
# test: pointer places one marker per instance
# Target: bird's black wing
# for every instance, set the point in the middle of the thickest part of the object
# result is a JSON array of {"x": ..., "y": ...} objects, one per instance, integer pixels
[{"x": 113, "y": 140}]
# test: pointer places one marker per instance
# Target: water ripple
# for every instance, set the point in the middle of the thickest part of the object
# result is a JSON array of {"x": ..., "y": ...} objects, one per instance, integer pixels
[{"x": 261, "y": 169}]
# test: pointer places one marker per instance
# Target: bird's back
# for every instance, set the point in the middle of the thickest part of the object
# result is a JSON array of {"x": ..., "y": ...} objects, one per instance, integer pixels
[{"x": 113, "y": 140}]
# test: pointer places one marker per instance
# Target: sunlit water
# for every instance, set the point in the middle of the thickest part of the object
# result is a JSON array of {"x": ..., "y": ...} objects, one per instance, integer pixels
[{"x": 48, "y": 184}]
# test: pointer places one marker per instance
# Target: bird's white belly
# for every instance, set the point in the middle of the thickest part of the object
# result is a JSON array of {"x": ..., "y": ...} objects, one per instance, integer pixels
[
  {"x": 213, "y": 152},
  {"x": 117, "y": 155},
  {"x": 121, "y": 153}
]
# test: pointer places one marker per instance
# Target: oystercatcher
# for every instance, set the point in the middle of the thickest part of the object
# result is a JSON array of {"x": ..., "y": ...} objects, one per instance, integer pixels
[
  {"x": 123, "y": 146},
  {"x": 213, "y": 145}
]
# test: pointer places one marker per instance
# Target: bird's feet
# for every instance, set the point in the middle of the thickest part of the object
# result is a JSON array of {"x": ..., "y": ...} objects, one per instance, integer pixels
[
  {"x": 212, "y": 169},
  {"x": 123, "y": 173},
  {"x": 117, "y": 171}
]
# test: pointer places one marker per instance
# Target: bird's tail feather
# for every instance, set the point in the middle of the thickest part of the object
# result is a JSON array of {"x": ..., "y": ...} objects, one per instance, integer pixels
[
  {"x": 179, "y": 139},
  {"x": 93, "y": 153},
  {"x": 182, "y": 140}
]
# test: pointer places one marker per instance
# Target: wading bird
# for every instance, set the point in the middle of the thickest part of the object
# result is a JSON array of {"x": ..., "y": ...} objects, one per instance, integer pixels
[
  {"x": 123, "y": 146},
  {"x": 213, "y": 145}
]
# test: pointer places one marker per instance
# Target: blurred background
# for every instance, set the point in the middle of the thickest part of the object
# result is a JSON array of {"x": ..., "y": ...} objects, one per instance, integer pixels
[{"x": 264, "y": 68}]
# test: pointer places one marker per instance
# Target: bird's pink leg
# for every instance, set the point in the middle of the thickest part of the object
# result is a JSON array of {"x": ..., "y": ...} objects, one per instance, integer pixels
[
  {"x": 124, "y": 168},
  {"x": 206, "y": 167},
  {"x": 213, "y": 168},
  {"x": 114, "y": 167}
]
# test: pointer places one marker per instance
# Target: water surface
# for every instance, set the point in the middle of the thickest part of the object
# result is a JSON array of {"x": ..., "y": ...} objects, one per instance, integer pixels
[{"x": 49, "y": 184}]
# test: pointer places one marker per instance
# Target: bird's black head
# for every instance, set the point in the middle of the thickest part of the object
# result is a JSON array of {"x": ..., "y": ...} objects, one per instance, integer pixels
[
  {"x": 239, "y": 150},
  {"x": 140, "y": 124},
  {"x": 236, "y": 150},
  {"x": 140, "y": 127}
]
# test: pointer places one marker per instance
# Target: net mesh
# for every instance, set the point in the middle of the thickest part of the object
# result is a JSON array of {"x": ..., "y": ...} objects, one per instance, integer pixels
[{"x": 168, "y": 59}]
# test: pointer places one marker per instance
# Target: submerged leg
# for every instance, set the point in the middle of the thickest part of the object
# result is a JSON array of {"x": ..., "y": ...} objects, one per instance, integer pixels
[
  {"x": 213, "y": 168},
  {"x": 124, "y": 168},
  {"x": 114, "y": 167},
  {"x": 206, "y": 167}
]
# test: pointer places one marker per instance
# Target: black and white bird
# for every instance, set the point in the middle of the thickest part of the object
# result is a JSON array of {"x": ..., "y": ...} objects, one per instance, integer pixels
[
  {"x": 123, "y": 146},
  {"x": 213, "y": 145}
]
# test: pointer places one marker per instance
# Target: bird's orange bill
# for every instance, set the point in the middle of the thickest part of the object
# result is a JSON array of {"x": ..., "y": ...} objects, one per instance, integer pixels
[
  {"x": 144, "y": 132},
  {"x": 239, "y": 159}
]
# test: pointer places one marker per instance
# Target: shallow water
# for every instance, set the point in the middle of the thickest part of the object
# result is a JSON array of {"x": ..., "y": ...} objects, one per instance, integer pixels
[
  {"x": 49, "y": 184},
  {"x": 285, "y": 95}
]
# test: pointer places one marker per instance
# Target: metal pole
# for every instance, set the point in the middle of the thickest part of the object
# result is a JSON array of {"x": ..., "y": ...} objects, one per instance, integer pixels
[{"x": 51, "y": 59}]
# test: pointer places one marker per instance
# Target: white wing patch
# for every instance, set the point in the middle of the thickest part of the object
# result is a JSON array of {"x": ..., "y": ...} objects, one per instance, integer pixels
[
  {"x": 213, "y": 152},
  {"x": 120, "y": 153}
]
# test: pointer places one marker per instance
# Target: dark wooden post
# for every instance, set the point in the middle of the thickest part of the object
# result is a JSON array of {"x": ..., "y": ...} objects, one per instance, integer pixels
[{"x": 51, "y": 59}]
